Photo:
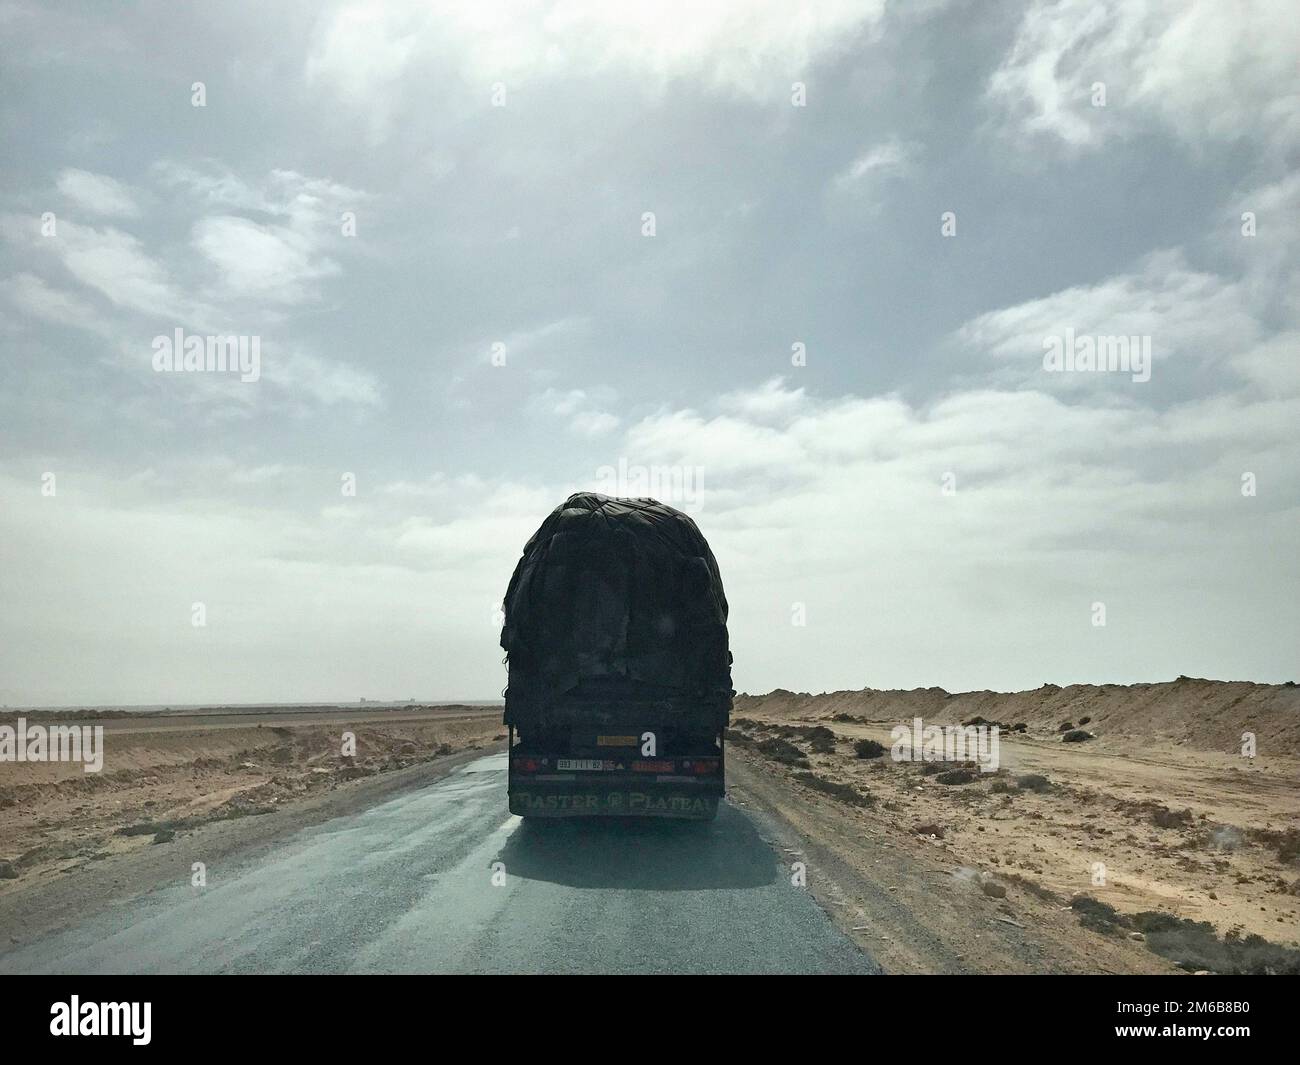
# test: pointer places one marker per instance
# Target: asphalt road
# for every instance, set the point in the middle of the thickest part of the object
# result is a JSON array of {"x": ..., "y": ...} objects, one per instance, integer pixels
[{"x": 408, "y": 886}]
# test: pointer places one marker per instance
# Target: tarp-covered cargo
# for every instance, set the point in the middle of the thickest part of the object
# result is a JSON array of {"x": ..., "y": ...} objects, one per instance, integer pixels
[{"x": 622, "y": 596}]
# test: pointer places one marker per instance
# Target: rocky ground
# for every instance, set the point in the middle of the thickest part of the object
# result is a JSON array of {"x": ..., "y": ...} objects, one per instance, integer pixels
[{"x": 1159, "y": 842}]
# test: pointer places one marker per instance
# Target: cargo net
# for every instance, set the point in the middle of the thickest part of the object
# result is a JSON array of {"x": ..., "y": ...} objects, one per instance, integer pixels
[{"x": 616, "y": 599}]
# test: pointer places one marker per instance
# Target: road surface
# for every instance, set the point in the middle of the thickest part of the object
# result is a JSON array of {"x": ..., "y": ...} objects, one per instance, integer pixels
[{"x": 408, "y": 886}]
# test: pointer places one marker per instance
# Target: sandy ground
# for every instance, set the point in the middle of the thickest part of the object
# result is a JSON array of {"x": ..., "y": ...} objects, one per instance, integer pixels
[
  {"x": 168, "y": 774},
  {"x": 1159, "y": 812},
  {"x": 1139, "y": 824}
]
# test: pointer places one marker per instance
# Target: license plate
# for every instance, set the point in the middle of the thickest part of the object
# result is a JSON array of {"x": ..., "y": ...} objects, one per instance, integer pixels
[
  {"x": 616, "y": 741},
  {"x": 583, "y": 763}
]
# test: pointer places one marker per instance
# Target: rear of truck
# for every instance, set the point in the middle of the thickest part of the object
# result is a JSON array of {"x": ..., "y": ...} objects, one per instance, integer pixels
[{"x": 619, "y": 672}]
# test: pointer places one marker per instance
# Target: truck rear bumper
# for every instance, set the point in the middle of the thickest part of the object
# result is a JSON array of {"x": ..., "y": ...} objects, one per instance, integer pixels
[{"x": 689, "y": 800}]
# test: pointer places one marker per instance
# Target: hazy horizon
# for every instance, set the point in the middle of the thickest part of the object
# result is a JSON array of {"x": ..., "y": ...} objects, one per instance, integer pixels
[{"x": 445, "y": 701}]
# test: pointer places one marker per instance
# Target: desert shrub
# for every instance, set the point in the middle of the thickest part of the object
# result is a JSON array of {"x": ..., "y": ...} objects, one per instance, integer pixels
[
  {"x": 1286, "y": 843},
  {"x": 1163, "y": 818},
  {"x": 1098, "y": 916},
  {"x": 843, "y": 792},
  {"x": 868, "y": 749},
  {"x": 1193, "y": 945},
  {"x": 823, "y": 744},
  {"x": 783, "y": 751},
  {"x": 1033, "y": 887}
]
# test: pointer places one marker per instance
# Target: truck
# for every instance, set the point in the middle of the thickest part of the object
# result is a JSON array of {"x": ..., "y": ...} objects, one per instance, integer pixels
[{"x": 619, "y": 670}]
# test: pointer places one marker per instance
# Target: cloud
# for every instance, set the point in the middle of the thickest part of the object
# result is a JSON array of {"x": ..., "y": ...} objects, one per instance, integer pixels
[
  {"x": 835, "y": 502},
  {"x": 579, "y": 409},
  {"x": 33, "y": 295},
  {"x": 325, "y": 381},
  {"x": 546, "y": 338},
  {"x": 98, "y": 194},
  {"x": 593, "y": 423},
  {"x": 1205, "y": 70},
  {"x": 117, "y": 266},
  {"x": 770, "y": 400},
  {"x": 272, "y": 262},
  {"x": 1188, "y": 314},
  {"x": 279, "y": 254},
  {"x": 753, "y": 49},
  {"x": 863, "y": 174},
  {"x": 275, "y": 258}
]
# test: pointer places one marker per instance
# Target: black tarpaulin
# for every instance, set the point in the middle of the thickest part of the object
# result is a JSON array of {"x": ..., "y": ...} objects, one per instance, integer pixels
[{"x": 615, "y": 592}]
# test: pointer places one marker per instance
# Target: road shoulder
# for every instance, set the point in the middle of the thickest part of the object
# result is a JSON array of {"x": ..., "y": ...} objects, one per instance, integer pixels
[
  {"x": 33, "y": 909},
  {"x": 912, "y": 910}
]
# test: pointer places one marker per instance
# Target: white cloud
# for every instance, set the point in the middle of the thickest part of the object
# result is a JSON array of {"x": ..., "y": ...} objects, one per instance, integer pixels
[
  {"x": 1187, "y": 314},
  {"x": 322, "y": 380},
  {"x": 770, "y": 400},
  {"x": 593, "y": 423},
  {"x": 98, "y": 194},
  {"x": 119, "y": 267},
  {"x": 1206, "y": 70},
  {"x": 749, "y": 48},
  {"x": 33, "y": 295},
  {"x": 273, "y": 262},
  {"x": 579, "y": 408},
  {"x": 832, "y": 502},
  {"x": 888, "y": 159},
  {"x": 1274, "y": 364},
  {"x": 546, "y": 338},
  {"x": 277, "y": 262},
  {"x": 277, "y": 259}
]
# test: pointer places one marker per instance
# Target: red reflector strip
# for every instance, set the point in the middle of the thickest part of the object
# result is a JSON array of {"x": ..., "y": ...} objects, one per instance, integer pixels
[
  {"x": 652, "y": 767},
  {"x": 705, "y": 765}
]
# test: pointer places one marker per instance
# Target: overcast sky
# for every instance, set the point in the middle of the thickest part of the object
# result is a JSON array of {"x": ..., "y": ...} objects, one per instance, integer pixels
[{"x": 436, "y": 219}]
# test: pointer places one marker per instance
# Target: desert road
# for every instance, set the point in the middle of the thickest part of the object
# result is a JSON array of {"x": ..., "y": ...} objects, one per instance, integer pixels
[{"x": 408, "y": 886}]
